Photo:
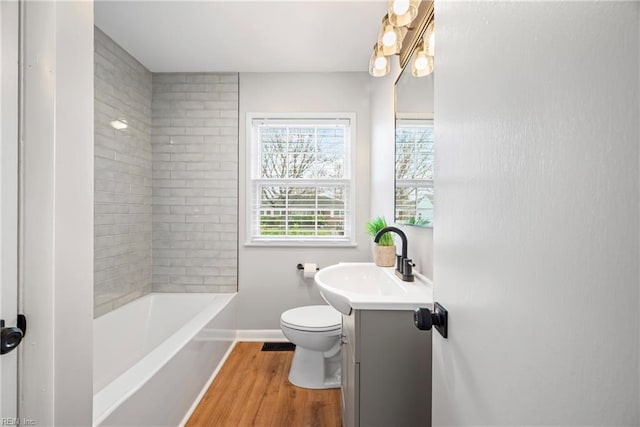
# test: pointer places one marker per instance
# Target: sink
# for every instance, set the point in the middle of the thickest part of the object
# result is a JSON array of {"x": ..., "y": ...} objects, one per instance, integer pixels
[{"x": 365, "y": 286}]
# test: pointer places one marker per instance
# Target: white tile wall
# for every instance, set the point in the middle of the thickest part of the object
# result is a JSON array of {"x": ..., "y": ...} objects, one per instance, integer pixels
[
  {"x": 166, "y": 188},
  {"x": 122, "y": 246},
  {"x": 194, "y": 138}
]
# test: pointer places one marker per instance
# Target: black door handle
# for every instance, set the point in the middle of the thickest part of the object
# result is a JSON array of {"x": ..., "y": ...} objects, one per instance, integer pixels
[
  {"x": 11, "y": 336},
  {"x": 424, "y": 319}
]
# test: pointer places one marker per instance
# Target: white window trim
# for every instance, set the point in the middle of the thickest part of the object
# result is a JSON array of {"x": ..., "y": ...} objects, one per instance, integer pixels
[{"x": 300, "y": 242}]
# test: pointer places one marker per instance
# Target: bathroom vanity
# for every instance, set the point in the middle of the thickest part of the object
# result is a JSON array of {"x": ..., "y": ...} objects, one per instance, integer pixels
[
  {"x": 386, "y": 370},
  {"x": 386, "y": 360}
]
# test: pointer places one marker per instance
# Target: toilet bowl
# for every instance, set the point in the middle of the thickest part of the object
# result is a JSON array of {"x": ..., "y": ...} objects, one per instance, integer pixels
[{"x": 315, "y": 330}]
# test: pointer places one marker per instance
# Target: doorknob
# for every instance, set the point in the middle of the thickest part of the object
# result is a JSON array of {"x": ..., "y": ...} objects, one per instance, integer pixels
[
  {"x": 11, "y": 336},
  {"x": 424, "y": 319}
]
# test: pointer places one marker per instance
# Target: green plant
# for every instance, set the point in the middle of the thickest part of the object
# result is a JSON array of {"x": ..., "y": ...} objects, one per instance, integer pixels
[
  {"x": 376, "y": 225},
  {"x": 418, "y": 221}
]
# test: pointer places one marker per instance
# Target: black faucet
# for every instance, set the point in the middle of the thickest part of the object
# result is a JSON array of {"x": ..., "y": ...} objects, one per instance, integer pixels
[{"x": 404, "y": 265}]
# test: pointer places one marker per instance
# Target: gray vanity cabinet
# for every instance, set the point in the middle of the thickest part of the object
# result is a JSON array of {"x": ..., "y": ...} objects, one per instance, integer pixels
[{"x": 386, "y": 370}]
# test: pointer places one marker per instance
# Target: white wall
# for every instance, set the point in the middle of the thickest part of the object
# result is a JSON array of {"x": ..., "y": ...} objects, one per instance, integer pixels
[
  {"x": 57, "y": 288},
  {"x": 268, "y": 281},
  {"x": 537, "y": 235},
  {"x": 383, "y": 169}
]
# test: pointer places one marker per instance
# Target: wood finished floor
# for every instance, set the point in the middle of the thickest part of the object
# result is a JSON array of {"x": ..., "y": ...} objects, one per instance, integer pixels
[{"x": 252, "y": 389}]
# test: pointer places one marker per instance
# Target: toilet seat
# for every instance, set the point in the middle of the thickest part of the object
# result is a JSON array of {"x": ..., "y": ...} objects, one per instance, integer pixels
[{"x": 312, "y": 318}]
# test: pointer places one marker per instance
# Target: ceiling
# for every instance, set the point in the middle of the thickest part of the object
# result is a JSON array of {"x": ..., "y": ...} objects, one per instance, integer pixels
[{"x": 245, "y": 36}]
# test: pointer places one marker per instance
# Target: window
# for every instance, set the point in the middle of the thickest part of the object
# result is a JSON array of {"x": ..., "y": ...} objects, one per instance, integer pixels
[
  {"x": 414, "y": 171},
  {"x": 300, "y": 177}
]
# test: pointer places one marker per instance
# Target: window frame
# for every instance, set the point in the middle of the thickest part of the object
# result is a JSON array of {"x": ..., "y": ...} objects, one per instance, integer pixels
[
  {"x": 418, "y": 119},
  {"x": 252, "y": 156}
]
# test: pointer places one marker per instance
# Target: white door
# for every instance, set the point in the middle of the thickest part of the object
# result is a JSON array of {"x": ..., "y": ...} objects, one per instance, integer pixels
[
  {"x": 52, "y": 253},
  {"x": 537, "y": 223},
  {"x": 56, "y": 286},
  {"x": 9, "y": 199}
]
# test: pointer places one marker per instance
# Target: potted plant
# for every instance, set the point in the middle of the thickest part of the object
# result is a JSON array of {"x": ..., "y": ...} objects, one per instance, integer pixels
[{"x": 384, "y": 252}]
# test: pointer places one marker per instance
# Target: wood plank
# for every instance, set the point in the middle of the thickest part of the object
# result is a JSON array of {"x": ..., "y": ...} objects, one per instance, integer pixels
[{"x": 252, "y": 389}]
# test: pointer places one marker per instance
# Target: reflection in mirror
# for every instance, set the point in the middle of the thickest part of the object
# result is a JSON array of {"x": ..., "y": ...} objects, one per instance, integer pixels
[{"x": 414, "y": 149}]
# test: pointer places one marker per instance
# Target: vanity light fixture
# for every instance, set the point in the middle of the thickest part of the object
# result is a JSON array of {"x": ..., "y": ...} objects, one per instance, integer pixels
[
  {"x": 379, "y": 65},
  {"x": 119, "y": 124},
  {"x": 403, "y": 12},
  {"x": 390, "y": 37},
  {"x": 395, "y": 26},
  {"x": 422, "y": 62}
]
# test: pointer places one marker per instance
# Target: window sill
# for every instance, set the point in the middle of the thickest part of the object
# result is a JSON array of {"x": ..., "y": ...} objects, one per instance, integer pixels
[{"x": 300, "y": 244}]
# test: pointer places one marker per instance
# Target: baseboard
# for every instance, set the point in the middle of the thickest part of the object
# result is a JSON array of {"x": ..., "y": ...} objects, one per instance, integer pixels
[
  {"x": 263, "y": 335},
  {"x": 207, "y": 385}
]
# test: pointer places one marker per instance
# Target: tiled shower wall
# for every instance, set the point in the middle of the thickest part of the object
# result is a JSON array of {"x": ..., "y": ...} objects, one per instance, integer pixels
[
  {"x": 122, "y": 246},
  {"x": 194, "y": 140},
  {"x": 165, "y": 188}
]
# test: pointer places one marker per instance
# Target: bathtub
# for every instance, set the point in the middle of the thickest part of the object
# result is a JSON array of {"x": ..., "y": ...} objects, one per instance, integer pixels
[{"x": 155, "y": 356}]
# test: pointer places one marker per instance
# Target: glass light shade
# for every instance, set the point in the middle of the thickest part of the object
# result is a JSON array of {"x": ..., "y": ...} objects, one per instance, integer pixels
[
  {"x": 429, "y": 37},
  {"x": 422, "y": 64},
  {"x": 379, "y": 65},
  {"x": 400, "y": 7},
  {"x": 402, "y": 12},
  {"x": 390, "y": 37}
]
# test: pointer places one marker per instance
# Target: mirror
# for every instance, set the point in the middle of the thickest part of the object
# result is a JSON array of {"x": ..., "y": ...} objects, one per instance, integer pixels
[{"x": 414, "y": 148}]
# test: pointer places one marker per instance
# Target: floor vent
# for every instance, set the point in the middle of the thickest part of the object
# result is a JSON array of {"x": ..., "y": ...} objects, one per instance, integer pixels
[{"x": 278, "y": 346}]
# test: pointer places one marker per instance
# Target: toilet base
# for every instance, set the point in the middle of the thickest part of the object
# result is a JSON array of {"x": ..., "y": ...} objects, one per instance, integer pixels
[{"x": 311, "y": 369}]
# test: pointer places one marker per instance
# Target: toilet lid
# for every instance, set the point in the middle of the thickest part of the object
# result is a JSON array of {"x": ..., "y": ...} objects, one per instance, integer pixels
[{"x": 312, "y": 318}]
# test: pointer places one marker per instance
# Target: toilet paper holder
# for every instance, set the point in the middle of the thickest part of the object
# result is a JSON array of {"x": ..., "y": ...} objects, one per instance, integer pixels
[{"x": 301, "y": 267}]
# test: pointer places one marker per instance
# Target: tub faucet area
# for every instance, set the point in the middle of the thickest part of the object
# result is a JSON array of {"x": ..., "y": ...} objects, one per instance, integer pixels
[{"x": 404, "y": 265}]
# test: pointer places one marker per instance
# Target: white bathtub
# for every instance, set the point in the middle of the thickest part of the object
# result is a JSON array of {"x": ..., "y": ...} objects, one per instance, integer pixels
[{"x": 154, "y": 356}]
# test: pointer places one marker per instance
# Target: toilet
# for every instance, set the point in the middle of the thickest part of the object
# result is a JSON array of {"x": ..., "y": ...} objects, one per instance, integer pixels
[{"x": 315, "y": 330}]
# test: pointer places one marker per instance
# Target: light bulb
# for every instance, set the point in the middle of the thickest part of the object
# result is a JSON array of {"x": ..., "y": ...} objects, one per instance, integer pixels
[
  {"x": 400, "y": 7},
  {"x": 389, "y": 38},
  {"x": 421, "y": 62},
  {"x": 380, "y": 63},
  {"x": 402, "y": 12}
]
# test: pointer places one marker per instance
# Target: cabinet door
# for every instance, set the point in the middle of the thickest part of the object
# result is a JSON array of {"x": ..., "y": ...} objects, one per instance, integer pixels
[
  {"x": 395, "y": 370},
  {"x": 347, "y": 418},
  {"x": 350, "y": 375}
]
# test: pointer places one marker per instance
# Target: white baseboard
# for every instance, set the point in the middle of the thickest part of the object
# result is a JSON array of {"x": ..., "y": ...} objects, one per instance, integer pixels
[
  {"x": 266, "y": 335},
  {"x": 207, "y": 385}
]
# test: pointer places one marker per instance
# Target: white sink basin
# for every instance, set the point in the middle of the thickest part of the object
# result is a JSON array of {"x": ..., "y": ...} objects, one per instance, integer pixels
[{"x": 365, "y": 286}]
